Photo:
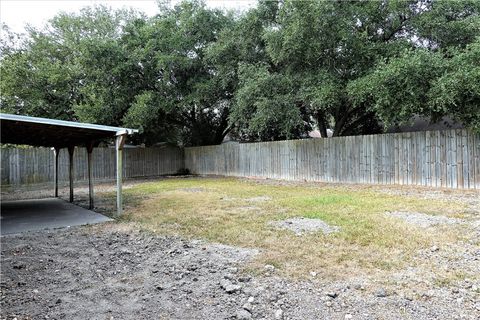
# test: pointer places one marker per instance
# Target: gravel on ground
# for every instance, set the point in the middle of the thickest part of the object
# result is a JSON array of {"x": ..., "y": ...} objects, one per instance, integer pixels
[{"x": 115, "y": 271}]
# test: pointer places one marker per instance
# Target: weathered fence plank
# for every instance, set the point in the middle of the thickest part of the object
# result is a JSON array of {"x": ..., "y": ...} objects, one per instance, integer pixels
[{"x": 448, "y": 158}]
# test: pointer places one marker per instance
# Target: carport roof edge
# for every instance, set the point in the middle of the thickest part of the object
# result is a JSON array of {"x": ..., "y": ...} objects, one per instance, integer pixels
[
  {"x": 63, "y": 123},
  {"x": 18, "y": 129}
]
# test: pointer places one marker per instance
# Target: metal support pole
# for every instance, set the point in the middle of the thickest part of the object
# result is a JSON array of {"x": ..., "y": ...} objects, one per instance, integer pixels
[
  {"x": 56, "y": 152},
  {"x": 119, "y": 142},
  {"x": 90, "y": 175},
  {"x": 71, "y": 149}
]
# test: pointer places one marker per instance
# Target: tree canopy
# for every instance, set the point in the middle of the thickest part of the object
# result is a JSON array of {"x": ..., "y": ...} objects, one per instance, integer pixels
[{"x": 193, "y": 74}]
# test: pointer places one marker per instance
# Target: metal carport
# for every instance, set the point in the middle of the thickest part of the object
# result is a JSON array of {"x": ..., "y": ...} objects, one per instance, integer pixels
[{"x": 58, "y": 134}]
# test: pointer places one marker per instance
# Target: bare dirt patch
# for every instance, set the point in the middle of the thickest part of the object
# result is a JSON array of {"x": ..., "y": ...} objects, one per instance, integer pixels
[
  {"x": 115, "y": 271},
  {"x": 423, "y": 220},
  {"x": 259, "y": 199},
  {"x": 305, "y": 225},
  {"x": 193, "y": 190}
]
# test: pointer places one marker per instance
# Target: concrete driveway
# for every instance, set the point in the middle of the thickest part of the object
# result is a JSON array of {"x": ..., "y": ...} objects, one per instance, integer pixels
[{"x": 38, "y": 214}]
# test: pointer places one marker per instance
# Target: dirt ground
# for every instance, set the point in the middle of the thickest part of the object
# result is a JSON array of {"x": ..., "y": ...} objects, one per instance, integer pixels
[
  {"x": 119, "y": 271},
  {"x": 115, "y": 272}
]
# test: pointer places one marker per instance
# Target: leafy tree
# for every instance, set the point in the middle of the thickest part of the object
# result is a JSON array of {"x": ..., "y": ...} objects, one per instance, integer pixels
[
  {"x": 438, "y": 77},
  {"x": 119, "y": 68},
  {"x": 431, "y": 84},
  {"x": 265, "y": 106},
  {"x": 180, "y": 82},
  {"x": 328, "y": 50},
  {"x": 397, "y": 90},
  {"x": 47, "y": 75},
  {"x": 239, "y": 55},
  {"x": 457, "y": 91}
]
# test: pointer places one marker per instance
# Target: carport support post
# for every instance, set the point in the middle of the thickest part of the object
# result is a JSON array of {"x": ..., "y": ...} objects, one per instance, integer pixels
[
  {"x": 90, "y": 175},
  {"x": 56, "y": 152},
  {"x": 119, "y": 142},
  {"x": 71, "y": 149}
]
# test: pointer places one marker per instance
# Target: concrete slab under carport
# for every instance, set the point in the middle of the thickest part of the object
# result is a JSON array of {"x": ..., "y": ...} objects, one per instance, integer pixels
[{"x": 39, "y": 214}]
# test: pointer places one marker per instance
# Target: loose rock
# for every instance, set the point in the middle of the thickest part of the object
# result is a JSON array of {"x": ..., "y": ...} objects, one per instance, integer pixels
[
  {"x": 243, "y": 315},
  {"x": 278, "y": 314},
  {"x": 381, "y": 293}
]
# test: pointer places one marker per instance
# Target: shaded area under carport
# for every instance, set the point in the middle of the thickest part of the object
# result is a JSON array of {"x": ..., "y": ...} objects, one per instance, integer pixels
[
  {"x": 39, "y": 214},
  {"x": 58, "y": 134}
]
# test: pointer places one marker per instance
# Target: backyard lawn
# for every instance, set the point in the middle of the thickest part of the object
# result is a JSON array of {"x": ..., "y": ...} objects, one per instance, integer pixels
[
  {"x": 369, "y": 240},
  {"x": 231, "y": 248}
]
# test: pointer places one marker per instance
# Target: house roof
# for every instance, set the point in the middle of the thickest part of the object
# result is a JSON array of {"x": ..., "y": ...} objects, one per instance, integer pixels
[{"x": 34, "y": 131}]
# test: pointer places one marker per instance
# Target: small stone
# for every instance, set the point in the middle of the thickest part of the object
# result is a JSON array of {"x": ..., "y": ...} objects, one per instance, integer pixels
[
  {"x": 278, "y": 314},
  {"x": 228, "y": 276},
  {"x": 159, "y": 287},
  {"x": 408, "y": 297},
  {"x": 381, "y": 293},
  {"x": 329, "y": 304},
  {"x": 313, "y": 274},
  {"x": 243, "y": 314},
  {"x": 273, "y": 297},
  {"x": 233, "y": 270},
  {"x": 434, "y": 249},
  {"x": 359, "y": 287},
  {"x": 229, "y": 287},
  {"x": 331, "y": 294},
  {"x": 348, "y": 316},
  {"x": 269, "y": 268},
  {"x": 251, "y": 299},
  {"x": 58, "y": 301},
  {"x": 247, "y": 306},
  {"x": 125, "y": 251},
  {"x": 192, "y": 267}
]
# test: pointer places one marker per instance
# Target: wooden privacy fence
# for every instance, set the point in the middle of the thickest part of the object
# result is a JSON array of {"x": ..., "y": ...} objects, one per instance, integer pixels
[
  {"x": 28, "y": 166},
  {"x": 449, "y": 158}
]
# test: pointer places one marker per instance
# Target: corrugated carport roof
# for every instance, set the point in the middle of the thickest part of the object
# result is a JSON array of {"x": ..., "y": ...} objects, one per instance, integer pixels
[{"x": 45, "y": 132}]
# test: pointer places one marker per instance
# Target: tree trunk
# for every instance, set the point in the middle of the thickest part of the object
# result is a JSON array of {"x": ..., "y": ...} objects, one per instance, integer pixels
[{"x": 322, "y": 125}]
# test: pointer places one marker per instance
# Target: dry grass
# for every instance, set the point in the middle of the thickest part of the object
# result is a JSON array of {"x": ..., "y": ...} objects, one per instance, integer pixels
[{"x": 237, "y": 212}]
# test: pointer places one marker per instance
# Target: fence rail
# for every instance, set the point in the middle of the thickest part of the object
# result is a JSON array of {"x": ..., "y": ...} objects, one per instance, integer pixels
[
  {"x": 447, "y": 158},
  {"x": 30, "y": 166}
]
